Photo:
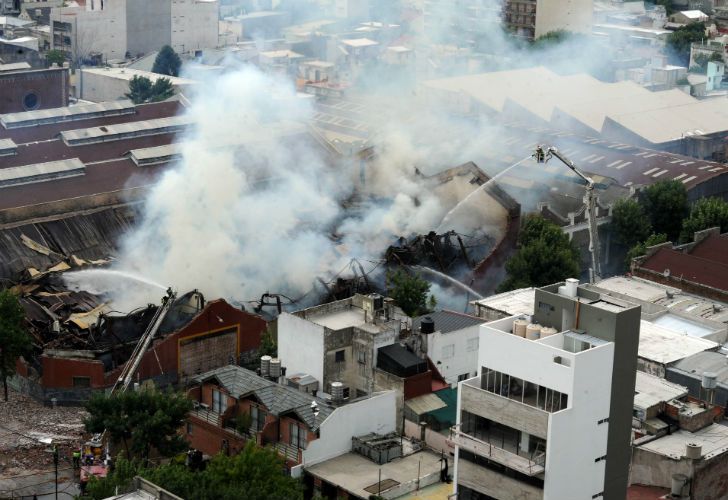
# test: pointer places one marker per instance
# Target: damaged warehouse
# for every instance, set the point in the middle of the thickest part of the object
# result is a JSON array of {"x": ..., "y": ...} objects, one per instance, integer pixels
[{"x": 81, "y": 345}]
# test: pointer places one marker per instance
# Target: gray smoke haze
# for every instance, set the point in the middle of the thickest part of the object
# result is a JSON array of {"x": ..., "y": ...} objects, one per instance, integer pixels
[{"x": 254, "y": 205}]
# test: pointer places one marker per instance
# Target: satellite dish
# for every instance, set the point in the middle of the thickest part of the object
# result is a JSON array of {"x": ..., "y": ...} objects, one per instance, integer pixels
[{"x": 666, "y": 273}]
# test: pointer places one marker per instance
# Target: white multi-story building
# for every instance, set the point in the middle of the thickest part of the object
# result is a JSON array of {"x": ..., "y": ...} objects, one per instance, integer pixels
[
  {"x": 450, "y": 339},
  {"x": 549, "y": 415},
  {"x": 115, "y": 29}
]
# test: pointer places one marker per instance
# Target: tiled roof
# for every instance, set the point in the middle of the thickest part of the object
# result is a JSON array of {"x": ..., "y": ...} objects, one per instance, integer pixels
[
  {"x": 448, "y": 321},
  {"x": 278, "y": 399}
]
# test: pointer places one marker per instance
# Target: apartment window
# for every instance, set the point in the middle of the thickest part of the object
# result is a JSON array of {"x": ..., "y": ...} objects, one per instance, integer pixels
[
  {"x": 473, "y": 344},
  {"x": 219, "y": 401},
  {"x": 448, "y": 351},
  {"x": 189, "y": 429},
  {"x": 544, "y": 307},
  {"x": 599, "y": 459},
  {"x": 462, "y": 377},
  {"x": 361, "y": 357},
  {"x": 340, "y": 356},
  {"x": 257, "y": 418},
  {"x": 297, "y": 436},
  {"x": 81, "y": 382},
  {"x": 603, "y": 421}
]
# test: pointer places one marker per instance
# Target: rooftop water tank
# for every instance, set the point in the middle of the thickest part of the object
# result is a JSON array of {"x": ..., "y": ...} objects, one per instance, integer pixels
[
  {"x": 265, "y": 366},
  {"x": 275, "y": 368},
  {"x": 519, "y": 327},
  {"x": 533, "y": 331}
]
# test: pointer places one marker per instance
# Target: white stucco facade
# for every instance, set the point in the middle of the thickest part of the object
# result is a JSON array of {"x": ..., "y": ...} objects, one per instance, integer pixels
[
  {"x": 194, "y": 25},
  {"x": 301, "y": 346},
  {"x": 374, "y": 414},
  {"x": 576, "y": 436},
  {"x": 455, "y": 353}
]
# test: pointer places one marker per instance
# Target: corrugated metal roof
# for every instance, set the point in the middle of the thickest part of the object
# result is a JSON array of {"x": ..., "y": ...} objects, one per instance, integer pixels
[
  {"x": 156, "y": 155},
  {"x": 425, "y": 403},
  {"x": 714, "y": 248},
  {"x": 707, "y": 361},
  {"x": 126, "y": 130},
  {"x": 651, "y": 390},
  {"x": 448, "y": 321},
  {"x": 41, "y": 172},
  {"x": 69, "y": 113},
  {"x": 8, "y": 147},
  {"x": 688, "y": 267}
]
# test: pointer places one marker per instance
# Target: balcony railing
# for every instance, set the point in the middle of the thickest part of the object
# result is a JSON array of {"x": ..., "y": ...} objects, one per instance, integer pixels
[
  {"x": 207, "y": 415},
  {"x": 288, "y": 451},
  {"x": 529, "y": 466}
]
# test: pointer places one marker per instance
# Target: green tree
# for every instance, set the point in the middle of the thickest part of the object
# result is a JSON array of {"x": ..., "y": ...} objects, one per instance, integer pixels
[
  {"x": 641, "y": 248},
  {"x": 630, "y": 222},
  {"x": 167, "y": 62},
  {"x": 254, "y": 474},
  {"x": 666, "y": 204},
  {"x": 141, "y": 89},
  {"x": 409, "y": 292},
  {"x": 141, "y": 420},
  {"x": 14, "y": 341},
  {"x": 679, "y": 41},
  {"x": 545, "y": 255},
  {"x": 55, "y": 56},
  {"x": 268, "y": 345},
  {"x": 706, "y": 213}
]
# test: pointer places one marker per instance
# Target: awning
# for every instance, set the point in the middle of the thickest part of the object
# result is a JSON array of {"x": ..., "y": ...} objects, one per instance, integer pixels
[{"x": 424, "y": 404}]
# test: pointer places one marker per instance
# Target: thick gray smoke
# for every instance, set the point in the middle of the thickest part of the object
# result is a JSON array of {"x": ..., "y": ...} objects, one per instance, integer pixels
[
  {"x": 256, "y": 204},
  {"x": 253, "y": 206}
]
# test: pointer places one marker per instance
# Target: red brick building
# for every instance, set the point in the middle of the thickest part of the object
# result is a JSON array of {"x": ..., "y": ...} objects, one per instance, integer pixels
[
  {"x": 278, "y": 415},
  {"x": 215, "y": 335},
  {"x": 28, "y": 90}
]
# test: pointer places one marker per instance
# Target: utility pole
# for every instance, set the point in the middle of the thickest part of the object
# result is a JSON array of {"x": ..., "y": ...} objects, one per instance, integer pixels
[{"x": 55, "y": 463}]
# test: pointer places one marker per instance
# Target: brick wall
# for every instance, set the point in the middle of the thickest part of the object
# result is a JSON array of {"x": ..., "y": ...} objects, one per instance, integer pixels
[{"x": 49, "y": 86}]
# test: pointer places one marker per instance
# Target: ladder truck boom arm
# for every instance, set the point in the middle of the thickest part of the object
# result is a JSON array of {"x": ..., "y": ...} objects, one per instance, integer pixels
[{"x": 542, "y": 155}]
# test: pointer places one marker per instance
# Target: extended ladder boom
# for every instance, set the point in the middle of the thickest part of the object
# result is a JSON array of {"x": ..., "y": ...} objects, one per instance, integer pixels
[
  {"x": 542, "y": 156},
  {"x": 144, "y": 341}
]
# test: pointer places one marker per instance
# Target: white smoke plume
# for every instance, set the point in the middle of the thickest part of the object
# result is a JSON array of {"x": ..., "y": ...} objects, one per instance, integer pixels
[{"x": 255, "y": 205}]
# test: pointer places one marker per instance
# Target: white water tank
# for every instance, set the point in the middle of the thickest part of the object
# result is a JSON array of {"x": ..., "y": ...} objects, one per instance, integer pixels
[
  {"x": 678, "y": 485},
  {"x": 533, "y": 331},
  {"x": 519, "y": 327},
  {"x": 337, "y": 391},
  {"x": 694, "y": 451},
  {"x": 265, "y": 366},
  {"x": 710, "y": 380},
  {"x": 571, "y": 286},
  {"x": 275, "y": 368},
  {"x": 547, "y": 331}
]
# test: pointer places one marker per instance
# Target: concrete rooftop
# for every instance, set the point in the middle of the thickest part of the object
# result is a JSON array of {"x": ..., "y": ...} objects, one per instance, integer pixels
[
  {"x": 714, "y": 440},
  {"x": 650, "y": 390},
  {"x": 352, "y": 472},
  {"x": 663, "y": 345}
]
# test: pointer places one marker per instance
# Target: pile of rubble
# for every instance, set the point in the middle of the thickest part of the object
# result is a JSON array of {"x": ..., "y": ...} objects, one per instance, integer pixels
[{"x": 26, "y": 426}]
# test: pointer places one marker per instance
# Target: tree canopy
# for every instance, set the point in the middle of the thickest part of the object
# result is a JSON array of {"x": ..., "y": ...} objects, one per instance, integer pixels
[
  {"x": 254, "y": 474},
  {"x": 630, "y": 222},
  {"x": 409, "y": 292},
  {"x": 55, "y": 56},
  {"x": 679, "y": 41},
  {"x": 141, "y": 89},
  {"x": 641, "y": 248},
  {"x": 545, "y": 255},
  {"x": 666, "y": 205},
  {"x": 167, "y": 62},
  {"x": 14, "y": 341},
  {"x": 705, "y": 213},
  {"x": 141, "y": 420}
]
